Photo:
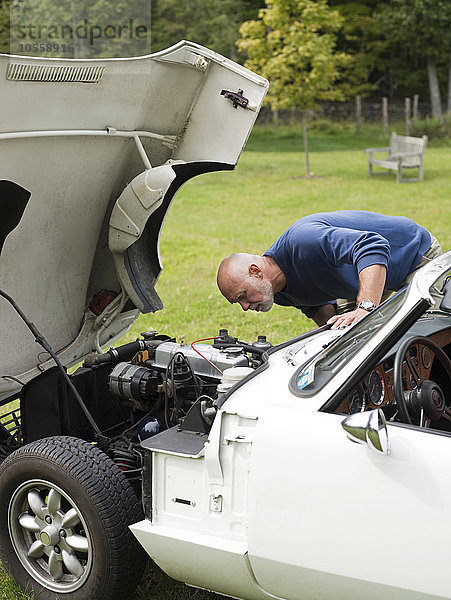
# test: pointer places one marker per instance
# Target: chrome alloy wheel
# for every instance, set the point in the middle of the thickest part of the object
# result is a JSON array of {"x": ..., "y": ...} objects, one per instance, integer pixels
[{"x": 50, "y": 536}]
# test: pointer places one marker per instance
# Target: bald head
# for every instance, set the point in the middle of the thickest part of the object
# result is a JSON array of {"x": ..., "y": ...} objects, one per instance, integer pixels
[
  {"x": 244, "y": 278},
  {"x": 235, "y": 267}
]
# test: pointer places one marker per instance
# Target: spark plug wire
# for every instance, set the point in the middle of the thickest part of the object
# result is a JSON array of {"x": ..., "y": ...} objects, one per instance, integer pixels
[{"x": 204, "y": 357}]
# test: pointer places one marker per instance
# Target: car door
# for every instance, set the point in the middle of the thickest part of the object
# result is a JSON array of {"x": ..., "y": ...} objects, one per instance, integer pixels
[{"x": 334, "y": 519}]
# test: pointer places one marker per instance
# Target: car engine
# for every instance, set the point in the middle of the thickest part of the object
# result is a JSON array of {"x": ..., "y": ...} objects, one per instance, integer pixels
[{"x": 137, "y": 390}]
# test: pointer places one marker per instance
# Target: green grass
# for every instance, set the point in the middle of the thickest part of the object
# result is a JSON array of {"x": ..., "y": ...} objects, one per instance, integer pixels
[
  {"x": 246, "y": 210},
  {"x": 8, "y": 588}
]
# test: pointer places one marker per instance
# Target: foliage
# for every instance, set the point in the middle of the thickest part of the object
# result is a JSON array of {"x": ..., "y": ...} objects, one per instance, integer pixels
[
  {"x": 213, "y": 23},
  {"x": 417, "y": 30},
  {"x": 362, "y": 38},
  {"x": 333, "y": 128},
  {"x": 292, "y": 44},
  {"x": 4, "y": 26},
  {"x": 367, "y": 47},
  {"x": 423, "y": 27},
  {"x": 435, "y": 129}
]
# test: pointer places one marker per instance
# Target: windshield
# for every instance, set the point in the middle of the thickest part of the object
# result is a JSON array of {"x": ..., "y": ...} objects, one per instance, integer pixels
[
  {"x": 316, "y": 373},
  {"x": 357, "y": 335}
]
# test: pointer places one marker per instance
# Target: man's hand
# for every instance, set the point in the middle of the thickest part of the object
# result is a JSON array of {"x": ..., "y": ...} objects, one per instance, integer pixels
[
  {"x": 372, "y": 282},
  {"x": 349, "y": 318}
]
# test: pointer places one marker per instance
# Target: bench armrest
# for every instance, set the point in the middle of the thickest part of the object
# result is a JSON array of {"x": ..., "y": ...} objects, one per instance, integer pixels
[{"x": 372, "y": 150}]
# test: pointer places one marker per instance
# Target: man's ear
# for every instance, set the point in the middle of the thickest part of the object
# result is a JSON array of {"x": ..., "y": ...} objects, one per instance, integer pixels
[{"x": 255, "y": 271}]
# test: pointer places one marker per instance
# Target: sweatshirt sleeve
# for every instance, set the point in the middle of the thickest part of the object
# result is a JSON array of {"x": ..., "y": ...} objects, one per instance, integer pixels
[
  {"x": 350, "y": 246},
  {"x": 310, "y": 311}
]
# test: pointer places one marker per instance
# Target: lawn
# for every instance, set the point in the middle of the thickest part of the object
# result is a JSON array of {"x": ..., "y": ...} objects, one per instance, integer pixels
[{"x": 246, "y": 210}]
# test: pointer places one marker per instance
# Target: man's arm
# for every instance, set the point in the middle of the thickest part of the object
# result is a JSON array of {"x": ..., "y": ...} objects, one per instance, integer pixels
[
  {"x": 324, "y": 313},
  {"x": 372, "y": 283}
]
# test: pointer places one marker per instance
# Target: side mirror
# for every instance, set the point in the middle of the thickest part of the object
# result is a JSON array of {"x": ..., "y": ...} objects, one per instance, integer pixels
[{"x": 368, "y": 428}]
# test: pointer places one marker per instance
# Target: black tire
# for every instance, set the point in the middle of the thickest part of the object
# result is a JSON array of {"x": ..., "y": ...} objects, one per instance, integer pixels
[{"x": 75, "y": 506}]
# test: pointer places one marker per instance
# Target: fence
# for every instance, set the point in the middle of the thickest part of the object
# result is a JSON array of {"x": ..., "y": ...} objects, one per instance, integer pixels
[{"x": 371, "y": 112}]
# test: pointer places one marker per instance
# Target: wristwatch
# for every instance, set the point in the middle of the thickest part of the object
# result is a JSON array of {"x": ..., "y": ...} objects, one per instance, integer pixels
[{"x": 367, "y": 305}]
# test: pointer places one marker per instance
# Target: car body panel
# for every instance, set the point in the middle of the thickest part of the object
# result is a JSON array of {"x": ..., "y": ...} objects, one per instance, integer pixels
[
  {"x": 362, "y": 519},
  {"x": 75, "y": 134}
]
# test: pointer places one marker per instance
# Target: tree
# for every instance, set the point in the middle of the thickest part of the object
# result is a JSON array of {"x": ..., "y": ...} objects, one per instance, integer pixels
[
  {"x": 292, "y": 44},
  {"x": 421, "y": 29},
  {"x": 213, "y": 23},
  {"x": 4, "y": 26},
  {"x": 361, "y": 37}
]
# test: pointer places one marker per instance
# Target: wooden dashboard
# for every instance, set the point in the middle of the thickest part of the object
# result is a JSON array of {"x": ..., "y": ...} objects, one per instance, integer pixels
[{"x": 376, "y": 388}]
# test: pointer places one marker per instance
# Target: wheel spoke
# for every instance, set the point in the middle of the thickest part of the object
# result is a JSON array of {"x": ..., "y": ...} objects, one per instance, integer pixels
[
  {"x": 53, "y": 501},
  {"x": 29, "y": 523},
  {"x": 55, "y": 566},
  {"x": 36, "y": 549},
  {"x": 78, "y": 542},
  {"x": 70, "y": 519},
  {"x": 414, "y": 371},
  {"x": 36, "y": 503},
  {"x": 72, "y": 563}
]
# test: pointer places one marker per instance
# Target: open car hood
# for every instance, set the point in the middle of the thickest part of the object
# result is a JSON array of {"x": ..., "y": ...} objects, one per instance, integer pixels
[{"x": 91, "y": 155}]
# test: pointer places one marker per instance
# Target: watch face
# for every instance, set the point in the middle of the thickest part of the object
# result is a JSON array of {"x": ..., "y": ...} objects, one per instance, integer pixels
[{"x": 367, "y": 305}]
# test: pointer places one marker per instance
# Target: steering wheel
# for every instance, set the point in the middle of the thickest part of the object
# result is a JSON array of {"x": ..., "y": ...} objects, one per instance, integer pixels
[{"x": 427, "y": 401}]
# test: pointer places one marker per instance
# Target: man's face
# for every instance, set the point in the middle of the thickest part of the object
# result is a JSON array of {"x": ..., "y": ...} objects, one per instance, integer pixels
[{"x": 254, "y": 294}]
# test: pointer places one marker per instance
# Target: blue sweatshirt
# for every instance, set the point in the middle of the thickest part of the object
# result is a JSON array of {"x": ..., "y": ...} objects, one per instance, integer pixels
[{"x": 321, "y": 255}]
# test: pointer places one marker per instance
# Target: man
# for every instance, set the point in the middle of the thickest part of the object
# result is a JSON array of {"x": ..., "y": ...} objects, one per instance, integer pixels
[{"x": 334, "y": 266}]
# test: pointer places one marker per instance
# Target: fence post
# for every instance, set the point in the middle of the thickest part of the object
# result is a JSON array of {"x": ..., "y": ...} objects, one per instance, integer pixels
[
  {"x": 416, "y": 98},
  {"x": 384, "y": 115},
  {"x": 407, "y": 115},
  {"x": 358, "y": 113}
]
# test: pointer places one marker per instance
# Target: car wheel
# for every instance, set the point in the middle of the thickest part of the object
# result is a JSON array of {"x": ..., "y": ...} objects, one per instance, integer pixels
[{"x": 65, "y": 508}]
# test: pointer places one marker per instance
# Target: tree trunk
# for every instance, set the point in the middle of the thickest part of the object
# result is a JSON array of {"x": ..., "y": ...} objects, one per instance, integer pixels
[
  {"x": 448, "y": 107},
  {"x": 436, "y": 104},
  {"x": 304, "y": 126}
]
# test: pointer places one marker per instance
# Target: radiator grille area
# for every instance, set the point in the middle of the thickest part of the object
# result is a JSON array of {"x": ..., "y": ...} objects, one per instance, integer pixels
[{"x": 24, "y": 72}]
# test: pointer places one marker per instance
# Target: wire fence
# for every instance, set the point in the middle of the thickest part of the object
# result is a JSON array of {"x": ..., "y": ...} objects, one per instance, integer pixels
[{"x": 392, "y": 111}]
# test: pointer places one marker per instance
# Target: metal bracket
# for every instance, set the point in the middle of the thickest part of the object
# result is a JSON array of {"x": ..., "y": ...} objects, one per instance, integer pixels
[{"x": 236, "y": 98}]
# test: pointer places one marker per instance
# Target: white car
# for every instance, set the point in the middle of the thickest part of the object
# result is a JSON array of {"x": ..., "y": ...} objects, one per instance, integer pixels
[
  {"x": 276, "y": 501},
  {"x": 233, "y": 464}
]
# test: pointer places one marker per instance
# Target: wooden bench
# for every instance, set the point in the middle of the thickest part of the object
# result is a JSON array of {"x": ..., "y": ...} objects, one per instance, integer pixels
[{"x": 404, "y": 152}]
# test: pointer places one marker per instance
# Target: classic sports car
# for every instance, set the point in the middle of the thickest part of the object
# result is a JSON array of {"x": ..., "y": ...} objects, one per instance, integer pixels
[
  {"x": 232, "y": 463},
  {"x": 275, "y": 501}
]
